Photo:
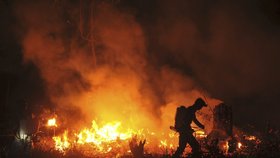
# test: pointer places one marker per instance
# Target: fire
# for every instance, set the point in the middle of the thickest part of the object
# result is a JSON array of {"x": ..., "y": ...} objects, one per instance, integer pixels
[
  {"x": 99, "y": 137},
  {"x": 163, "y": 143},
  {"x": 200, "y": 134},
  {"x": 109, "y": 136},
  {"x": 239, "y": 145},
  {"x": 107, "y": 133},
  {"x": 62, "y": 143},
  {"x": 250, "y": 137},
  {"x": 52, "y": 122},
  {"x": 226, "y": 147}
]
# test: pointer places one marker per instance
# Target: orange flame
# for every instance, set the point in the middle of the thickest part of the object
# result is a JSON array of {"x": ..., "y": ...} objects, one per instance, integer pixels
[
  {"x": 111, "y": 135},
  {"x": 107, "y": 133},
  {"x": 97, "y": 136},
  {"x": 62, "y": 143},
  {"x": 200, "y": 134}
]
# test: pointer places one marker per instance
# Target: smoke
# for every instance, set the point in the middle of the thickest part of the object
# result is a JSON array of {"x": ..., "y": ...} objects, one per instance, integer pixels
[
  {"x": 95, "y": 64},
  {"x": 230, "y": 48},
  {"x": 100, "y": 60}
]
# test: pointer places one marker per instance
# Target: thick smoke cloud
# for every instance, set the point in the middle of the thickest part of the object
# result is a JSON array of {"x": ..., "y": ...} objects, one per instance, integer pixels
[{"x": 95, "y": 64}]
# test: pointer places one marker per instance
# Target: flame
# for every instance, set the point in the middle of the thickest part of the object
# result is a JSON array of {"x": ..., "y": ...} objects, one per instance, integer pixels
[
  {"x": 200, "y": 134},
  {"x": 52, "y": 122},
  {"x": 111, "y": 135},
  {"x": 97, "y": 136},
  {"x": 226, "y": 147},
  {"x": 120, "y": 87},
  {"x": 107, "y": 133},
  {"x": 108, "y": 137},
  {"x": 239, "y": 145},
  {"x": 62, "y": 143},
  {"x": 250, "y": 137},
  {"x": 163, "y": 143}
]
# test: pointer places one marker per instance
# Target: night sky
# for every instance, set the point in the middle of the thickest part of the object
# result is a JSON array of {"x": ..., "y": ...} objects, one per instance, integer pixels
[{"x": 229, "y": 48}]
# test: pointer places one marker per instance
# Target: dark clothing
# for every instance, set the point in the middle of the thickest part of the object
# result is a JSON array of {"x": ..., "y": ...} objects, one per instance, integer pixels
[
  {"x": 184, "y": 138},
  {"x": 189, "y": 117},
  {"x": 186, "y": 133},
  {"x": 187, "y": 120}
]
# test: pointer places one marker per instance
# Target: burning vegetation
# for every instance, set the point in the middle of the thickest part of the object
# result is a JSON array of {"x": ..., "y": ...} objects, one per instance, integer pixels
[
  {"x": 112, "y": 140},
  {"x": 106, "y": 139}
]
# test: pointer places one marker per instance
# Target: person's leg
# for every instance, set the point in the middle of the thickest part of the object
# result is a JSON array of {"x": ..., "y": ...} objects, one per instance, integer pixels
[
  {"x": 182, "y": 145},
  {"x": 196, "y": 150}
]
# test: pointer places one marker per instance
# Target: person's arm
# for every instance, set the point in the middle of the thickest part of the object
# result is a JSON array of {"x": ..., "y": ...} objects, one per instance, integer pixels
[{"x": 198, "y": 123}]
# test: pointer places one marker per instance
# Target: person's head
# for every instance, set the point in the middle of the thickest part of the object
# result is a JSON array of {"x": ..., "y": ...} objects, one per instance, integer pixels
[{"x": 199, "y": 103}]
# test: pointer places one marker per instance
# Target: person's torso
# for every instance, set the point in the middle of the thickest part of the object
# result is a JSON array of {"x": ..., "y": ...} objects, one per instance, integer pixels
[{"x": 188, "y": 118}]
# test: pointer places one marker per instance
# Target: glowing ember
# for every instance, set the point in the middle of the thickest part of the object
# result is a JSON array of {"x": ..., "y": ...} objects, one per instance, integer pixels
[
  {"x": 239, "y": 145},
  {"x": 250, "y": 138},
  {"x": 200, "y": 134},
  {"x": 52, "y": 122},
  {"x": 226, "y": 147}
]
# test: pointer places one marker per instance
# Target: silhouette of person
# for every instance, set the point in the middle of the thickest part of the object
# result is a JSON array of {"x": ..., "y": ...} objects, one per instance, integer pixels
[{"x": 186, "y": 132}]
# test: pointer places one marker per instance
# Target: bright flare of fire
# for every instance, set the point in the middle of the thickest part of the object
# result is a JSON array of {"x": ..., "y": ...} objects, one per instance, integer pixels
[
  {"x": 107, "y": 133},
  {"x": 62, "y": 143},
  {"x": 163, "y": 143},
  {"x": 226, "y": 146},
  {"x": 52, "y": 122},
  {"x": 239, "y": 145},
  {"x": 112, "y": 136},
  {"x": 200, "y": 134},
  {"x": 97, "y": 136}
]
